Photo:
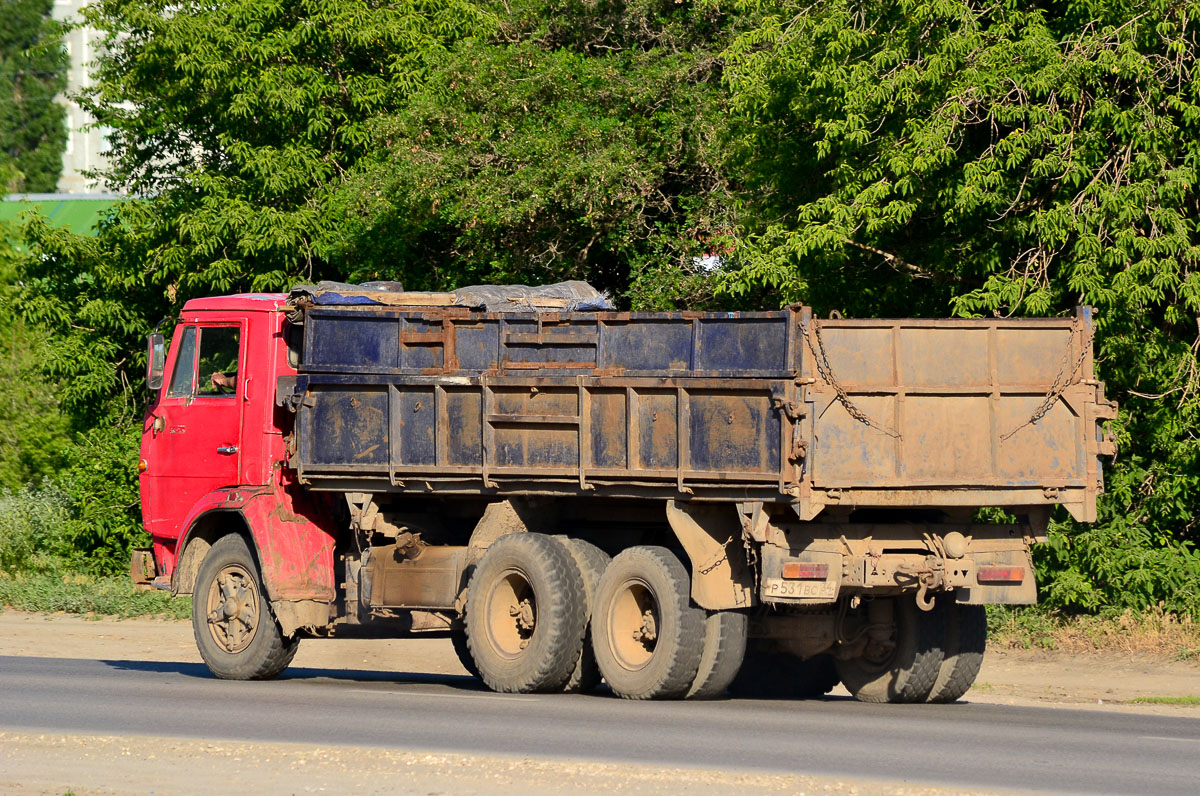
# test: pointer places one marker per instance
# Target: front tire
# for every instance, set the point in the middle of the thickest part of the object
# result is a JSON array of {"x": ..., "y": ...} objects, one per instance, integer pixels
[
  {"x": 647, "y": 636},
  {"x": 236, "y": 633},
  {"x": 526, "y": 614}
]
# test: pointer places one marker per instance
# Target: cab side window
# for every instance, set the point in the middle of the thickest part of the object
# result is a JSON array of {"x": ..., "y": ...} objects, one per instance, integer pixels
[
  {"x": 185, "y": 365},
  {"x": 218, "y": 369}
]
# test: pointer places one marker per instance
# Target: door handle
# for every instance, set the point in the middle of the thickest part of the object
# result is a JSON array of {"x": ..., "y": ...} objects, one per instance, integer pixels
[{"x": 227, "y": 450}]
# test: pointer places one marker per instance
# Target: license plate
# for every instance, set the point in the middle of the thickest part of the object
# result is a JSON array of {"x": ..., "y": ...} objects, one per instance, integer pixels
[{"x": 799, "y": 589}]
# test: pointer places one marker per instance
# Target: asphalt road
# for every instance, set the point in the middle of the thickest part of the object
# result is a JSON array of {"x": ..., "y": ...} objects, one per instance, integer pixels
[{"x": 964, "y": 745}]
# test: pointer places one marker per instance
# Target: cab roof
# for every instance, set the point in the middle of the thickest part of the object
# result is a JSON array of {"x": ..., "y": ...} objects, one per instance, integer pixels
[{"x": 241, "y": 302}]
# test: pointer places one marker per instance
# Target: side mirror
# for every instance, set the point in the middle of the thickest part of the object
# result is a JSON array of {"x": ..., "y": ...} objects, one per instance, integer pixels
[{"x": 156, "y": 361}]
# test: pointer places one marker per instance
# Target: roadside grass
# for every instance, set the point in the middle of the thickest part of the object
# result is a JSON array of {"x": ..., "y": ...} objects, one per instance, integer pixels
[
  {"x": 1153, "y": 632},
  {"x": 45, "y": 567},
  {"x": 72, "y": 593},
  {"x": 1166, "y": 700}
]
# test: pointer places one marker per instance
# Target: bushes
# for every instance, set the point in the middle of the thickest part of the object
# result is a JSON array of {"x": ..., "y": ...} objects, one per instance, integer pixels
[
  {"x": 1118, "y": 565},
  {"x": 84, "y": 523},
  {"x": 111, "y": 595},
  {"x": 33, "y": 530},
  {"x": 60, "y": 554}
]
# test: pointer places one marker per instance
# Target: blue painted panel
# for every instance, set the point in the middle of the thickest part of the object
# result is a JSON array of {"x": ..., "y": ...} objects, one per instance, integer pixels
[
  {"x": 546, "y": 446},
  {"x": 353, "y": 343},
  {"x": 464, "y": 441},
  {"x": 347, "y": 425},
  {"x": 733, "y": 433},
  {"x": 415, "y": 421},
  {"x": 476, "y": 344},
  {"x": 608, "y": 428},
  {"x": 661, "y": 345},
  {"x": 658, "y": 438},
  {"x": 421, "y": 356},
  {"x": 743, "y": 344}
]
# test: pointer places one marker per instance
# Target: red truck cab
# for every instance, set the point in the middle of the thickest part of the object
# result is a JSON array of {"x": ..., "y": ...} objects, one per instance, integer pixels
[{"x": 212, "y": 458}]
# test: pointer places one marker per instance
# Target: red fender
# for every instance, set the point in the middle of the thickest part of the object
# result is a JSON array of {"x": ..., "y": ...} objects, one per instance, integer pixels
[{"x": 293, "y": 537}]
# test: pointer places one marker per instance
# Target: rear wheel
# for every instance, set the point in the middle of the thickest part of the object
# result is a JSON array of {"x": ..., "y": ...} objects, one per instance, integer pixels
[
  {"x": 592, "y": 561},
  {"x": 966, "y": 639},
  {"x": 236, "y": 634},
  {"x": 722, "y": 655},
  {"x": 525, "y": 614},
  {"x": 458, "y": 638},
  {"x": 647, "y": 636},
  {"x": 903, "y": 669}
]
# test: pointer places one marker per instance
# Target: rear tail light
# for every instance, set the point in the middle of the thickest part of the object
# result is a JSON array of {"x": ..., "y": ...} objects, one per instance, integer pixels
[
  {"x": 803, "y": 570},
  {"x": 1000, "y": 574}
]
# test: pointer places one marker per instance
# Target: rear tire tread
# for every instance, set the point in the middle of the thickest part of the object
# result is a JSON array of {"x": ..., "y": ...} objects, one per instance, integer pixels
[
  {"x": 676, "y": 659},
  {"x": 561, "y": 617},
  {"x": 723, "y": 653},
  {"x": 966, "y": 641},
  {"x": 592, "y": 561},
  {"x": 914, "y": 668}
]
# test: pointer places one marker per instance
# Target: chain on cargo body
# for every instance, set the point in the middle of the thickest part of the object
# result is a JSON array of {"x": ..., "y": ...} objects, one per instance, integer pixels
[
  {"x": 826, "y": 372},
  {"x": 1063, "y": 379}
]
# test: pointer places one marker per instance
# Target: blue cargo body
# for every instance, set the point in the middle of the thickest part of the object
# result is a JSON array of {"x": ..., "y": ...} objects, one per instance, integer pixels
[{"x": 753, "y": 406}]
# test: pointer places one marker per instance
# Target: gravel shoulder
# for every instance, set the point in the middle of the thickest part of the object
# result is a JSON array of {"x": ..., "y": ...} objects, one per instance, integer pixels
[{"x": 33, "y": 763}]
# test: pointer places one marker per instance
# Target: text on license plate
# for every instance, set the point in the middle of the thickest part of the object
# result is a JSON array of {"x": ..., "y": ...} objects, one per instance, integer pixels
[{"x": 800, "y": 589}]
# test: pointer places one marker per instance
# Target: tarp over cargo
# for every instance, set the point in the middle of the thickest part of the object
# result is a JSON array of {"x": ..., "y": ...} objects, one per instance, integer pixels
[{"x": 573, "y": 296}]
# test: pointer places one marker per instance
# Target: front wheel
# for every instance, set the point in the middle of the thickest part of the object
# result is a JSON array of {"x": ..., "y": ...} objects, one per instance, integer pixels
[{"x": 236, "y": 634}]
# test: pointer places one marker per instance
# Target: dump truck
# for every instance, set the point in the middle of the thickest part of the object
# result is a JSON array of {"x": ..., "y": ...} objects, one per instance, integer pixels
[{"x": 672, "y": 504}]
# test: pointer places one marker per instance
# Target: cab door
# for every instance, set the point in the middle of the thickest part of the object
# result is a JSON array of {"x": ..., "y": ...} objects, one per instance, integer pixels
[{"x": 193, "y": 435}]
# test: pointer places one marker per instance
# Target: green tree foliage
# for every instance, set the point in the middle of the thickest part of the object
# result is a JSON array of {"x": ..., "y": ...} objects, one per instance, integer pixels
[
  {"x": 230, "y": 121},
  {"x": 1009, "y": 158},
  {"x": 33, "y": 432},
  {"x": 579, "y": 140},
  {"x": 33, "y": 70},
  {"x": 879, "y": 158}
]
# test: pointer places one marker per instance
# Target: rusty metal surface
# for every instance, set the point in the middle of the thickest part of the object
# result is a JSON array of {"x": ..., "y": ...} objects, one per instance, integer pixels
[
  {"x": 960, "y": 398},
  {"x": 432, "y": 579},
  {"x": 390, "y": 341},
  {"x": 769, "y": 406}
]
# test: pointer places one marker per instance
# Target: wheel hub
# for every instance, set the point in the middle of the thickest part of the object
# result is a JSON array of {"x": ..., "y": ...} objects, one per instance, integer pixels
[
  {"x": 512, "y": 614},
  {"x": 633, "y": 624},
  {"x": 233, "y": 609},
  {"x": 648, "y": 632}
]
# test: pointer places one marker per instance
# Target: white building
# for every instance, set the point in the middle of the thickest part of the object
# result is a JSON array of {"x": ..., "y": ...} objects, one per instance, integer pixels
[{"x": 87, "y": 146}]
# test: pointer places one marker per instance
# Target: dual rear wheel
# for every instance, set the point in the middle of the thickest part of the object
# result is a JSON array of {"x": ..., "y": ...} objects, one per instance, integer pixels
[
  {"x": 527, "y": 629},
  {"x": 931, "y": 656},
  {"x": 527, "y": 622}
]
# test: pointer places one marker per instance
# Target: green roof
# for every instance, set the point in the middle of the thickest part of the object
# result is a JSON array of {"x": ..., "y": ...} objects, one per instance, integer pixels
[{"x": 80, "y": 216}]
